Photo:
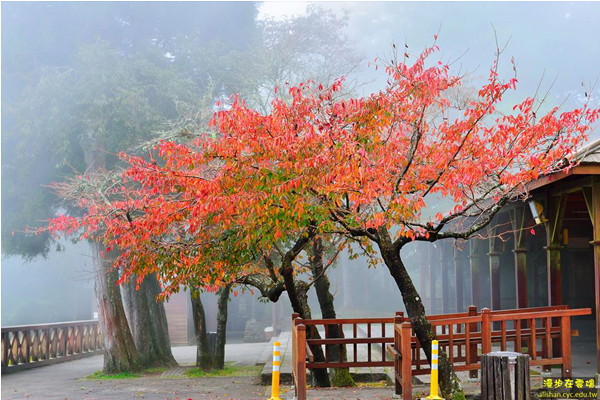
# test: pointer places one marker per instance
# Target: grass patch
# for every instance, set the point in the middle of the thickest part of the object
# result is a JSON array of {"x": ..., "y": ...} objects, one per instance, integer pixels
[
  {"x": 229, "y": 370},
  {"x": 99, "y": 375},
  {"x": 379, "y": 384},
  {"x": 155, "y": 370}
]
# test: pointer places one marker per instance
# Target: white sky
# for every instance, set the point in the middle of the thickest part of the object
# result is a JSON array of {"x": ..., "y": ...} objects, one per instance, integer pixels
[
  {"x": 281, "y": 9},
  {"x": 555, "y": 38}
]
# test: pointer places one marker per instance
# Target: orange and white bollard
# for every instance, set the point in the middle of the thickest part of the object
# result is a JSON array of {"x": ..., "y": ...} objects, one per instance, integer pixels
[
  {"x": 276, "y": 367},
  {"x": 434, "y": 392}
]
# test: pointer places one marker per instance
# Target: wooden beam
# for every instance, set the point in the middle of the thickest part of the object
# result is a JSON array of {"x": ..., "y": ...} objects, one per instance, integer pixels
[
  {"x": 445, "y": 258},
  {"x": 458, "y": 279},
  {"x": 555, "y": 213},
  {"x": 596, "y": 242},
  {"x": 495, "y": 250},
  {"x": 589, "y": 203},
  {"x": 546, "y": 180},
  {"x": 587, "y": 169},
  {"x": 424, "y": 268},
  {"x": 433, "y": 273},
  {"x": 475, "y": 267},
  {"x": 582, "y": 169},
  {"x": 575, "y": 185},
  {"x": 520, "y": 251}
]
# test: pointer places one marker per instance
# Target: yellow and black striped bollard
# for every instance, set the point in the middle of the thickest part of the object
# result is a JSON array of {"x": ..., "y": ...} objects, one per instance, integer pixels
[
  {"x": 434, "y": 392},
  {"x": 276, "y": 367}
]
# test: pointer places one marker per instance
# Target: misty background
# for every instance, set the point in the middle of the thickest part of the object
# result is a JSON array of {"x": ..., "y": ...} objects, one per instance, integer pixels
[{"x": 64, "y": 64}]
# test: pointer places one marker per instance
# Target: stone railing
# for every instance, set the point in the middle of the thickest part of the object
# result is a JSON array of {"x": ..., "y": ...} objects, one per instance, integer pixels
[{"x": 29, "y": 346}]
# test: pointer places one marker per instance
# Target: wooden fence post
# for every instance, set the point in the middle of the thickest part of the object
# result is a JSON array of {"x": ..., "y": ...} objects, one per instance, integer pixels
[
  {"x": 473, "y": 346},
  {"x": 566, "y": 345},
  {"x": 405, "y": 351},
  {"x": 301, "y": 362},
  {"x": 398, "y": 319},
  {"x": 486, "y": 330}
]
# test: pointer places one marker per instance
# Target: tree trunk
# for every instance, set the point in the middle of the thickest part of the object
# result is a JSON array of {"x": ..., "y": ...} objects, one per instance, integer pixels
[
  {"x": 223, "y": 299},
  {"x": 297, "y": 292},
  {"x": 449, "y": 383},
  {"x": 339, "y": 377},
  {"x": 148, "y": 322},
  {"x": 120, "y": 353},
  {"x": 203, "y": 356}
]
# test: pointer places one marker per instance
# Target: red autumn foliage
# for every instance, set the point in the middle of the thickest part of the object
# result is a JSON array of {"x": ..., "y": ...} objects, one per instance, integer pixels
[{"x": 339, "y": 166}]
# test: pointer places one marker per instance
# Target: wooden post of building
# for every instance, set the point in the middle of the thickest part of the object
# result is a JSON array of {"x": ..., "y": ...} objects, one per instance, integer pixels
[
  {"x": 475, "y": 267},
  {"x": 423, "y": 269},
  {"x": 458, "y": 279},
  {"x": 433, "y": 272},
  {"x": 518, "y": 225},
  {"x": 592, "y": 198},
  {"x": 445, "y": 256},
  {"x": 556, "y": 210},
  {"x": 495, "y": 247}
]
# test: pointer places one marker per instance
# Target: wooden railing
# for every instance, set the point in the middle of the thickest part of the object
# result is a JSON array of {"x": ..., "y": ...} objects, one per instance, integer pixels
[
  {"x": 463, "y": 336},
  {"x": 30, "y": 346},
  {"x": 359, "y": 333}
]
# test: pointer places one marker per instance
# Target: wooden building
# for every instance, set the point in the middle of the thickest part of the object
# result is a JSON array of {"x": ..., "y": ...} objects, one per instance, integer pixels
[
  {"x": 179, "y": 319},
  {"x": 241, "y": 309},
  {"x": 524, "y": 261}
]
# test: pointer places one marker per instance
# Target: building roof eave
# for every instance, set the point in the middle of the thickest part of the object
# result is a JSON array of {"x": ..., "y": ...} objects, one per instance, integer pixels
[{"x": 585, "y": 168}]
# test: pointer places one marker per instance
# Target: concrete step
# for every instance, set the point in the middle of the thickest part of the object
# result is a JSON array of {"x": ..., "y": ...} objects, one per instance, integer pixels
[
  {"x": 285, "y": 371},
  {"x": 267, "y": 353}
]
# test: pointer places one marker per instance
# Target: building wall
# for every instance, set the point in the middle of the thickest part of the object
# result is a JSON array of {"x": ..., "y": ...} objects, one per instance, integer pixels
[{"x": 177, "y": 317}]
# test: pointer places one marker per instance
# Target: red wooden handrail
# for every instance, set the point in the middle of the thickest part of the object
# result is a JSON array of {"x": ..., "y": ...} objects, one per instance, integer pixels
[{"x": 462, "y": 336}]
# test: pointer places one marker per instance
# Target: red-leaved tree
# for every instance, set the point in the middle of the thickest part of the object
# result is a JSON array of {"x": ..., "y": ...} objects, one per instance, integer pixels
[{"x": 358, "y": 168}]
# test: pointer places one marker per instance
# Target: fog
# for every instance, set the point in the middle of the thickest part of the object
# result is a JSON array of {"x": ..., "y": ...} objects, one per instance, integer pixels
[{"x": 45, "y": 113}]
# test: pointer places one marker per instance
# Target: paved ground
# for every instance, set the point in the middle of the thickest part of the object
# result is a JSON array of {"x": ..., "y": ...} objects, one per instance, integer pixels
[
  {"x": 63, "y": 381},
  {"x": 141, "y": 388},
  {"x": 241, "y": 353},
  {"x": 583, "y": 348}
]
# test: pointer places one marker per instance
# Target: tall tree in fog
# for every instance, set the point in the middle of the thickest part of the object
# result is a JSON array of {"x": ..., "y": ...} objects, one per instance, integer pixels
[
  {"x": 41, "y": 40},
  {"x": 104, "y": 103},
  {"x": 313, "y": 47},
  {"x": 70, "y": 106}
]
